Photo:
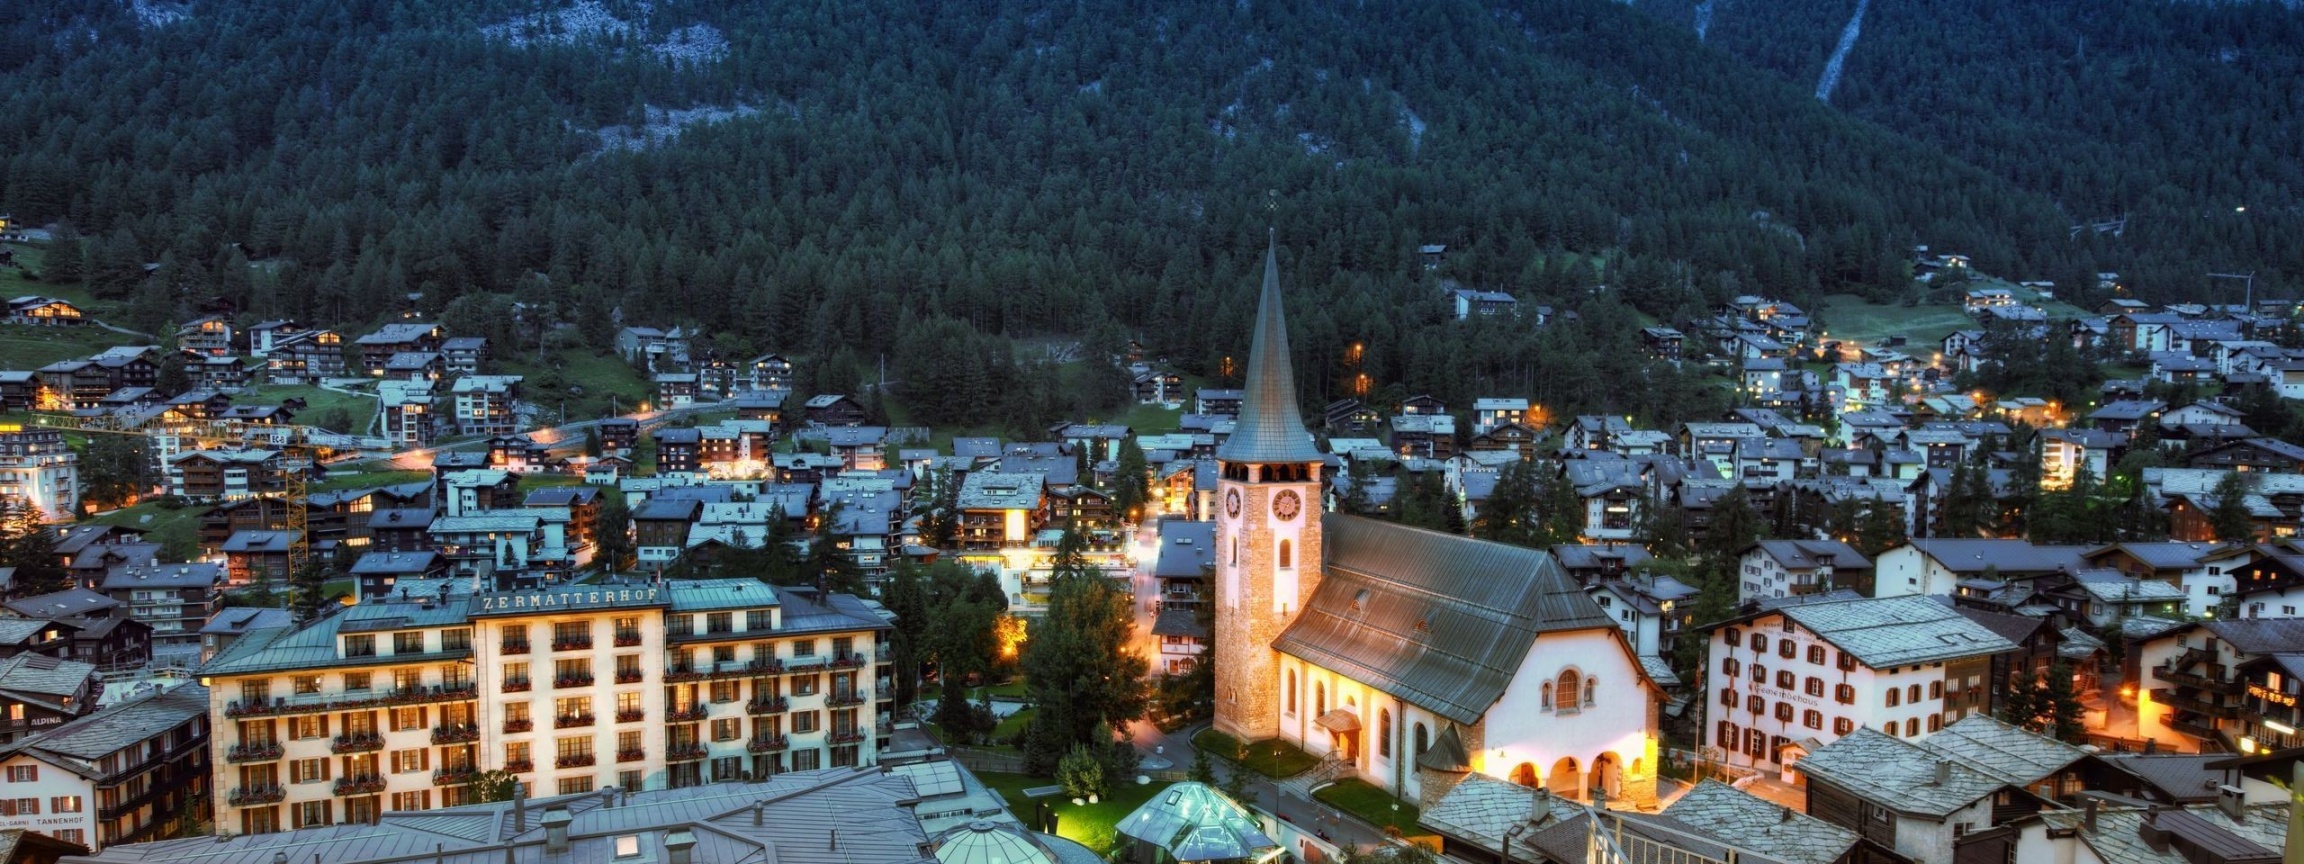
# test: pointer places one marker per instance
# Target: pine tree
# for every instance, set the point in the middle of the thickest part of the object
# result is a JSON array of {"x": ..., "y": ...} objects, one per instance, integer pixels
[
  {"x": 2230, "y": 518},
  {"x": 1080, "y": 665},
  {"x": 308, "y": 589},
  {"x": 2066, "y": 716},
  {"x": 1131, "y": 481},
  {"x": 2020, "y": 704},
  {"x": 612, "y": 532},
  {"x": 27, "y": 545}
]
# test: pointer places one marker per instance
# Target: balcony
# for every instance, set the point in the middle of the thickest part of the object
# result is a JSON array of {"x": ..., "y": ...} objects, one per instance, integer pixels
[
  {"x": 884, "y": 728},
  {"x": 684, "y": 752},
  {"x": 564, "y": 681},
  {"x": 847, "y": 661},
  {"x": 518, "y": 685},
  {"x": 519, "y": 766},
  {"x": 2169, "y": 698},
  {"x": 363, "y": 742},
  {"x": 844, "y": 700},
  {"x": 627, "y": 639},
  {"x": 262, "y": 751},
  {"x": 465, "y": 733},
  {"x": 630, "y": 715},
  {"x": 2193, "y": 728},
  {"x": 454, "y": 776},
  {"x": 631, "y": 755},
  {"x": 575, "y": 760},
  {"x": 515, "y": 648},
  {"x": 848, "y": 737},
  {"x": 390, "y": 699},
  {"x": 2213, "y": 681},
  {"x": 772, "y": 705},
  {"x": 517, "y": 725},
  {"x": 628, "y": 676},
  {"x": 364, "y": 785},
  {"x": 768, "y": 744},
  {"x": 573, "y": 643},
  {"x": 252, "y": 796},
  {"x": 689, "y": 714},
  {"x": 571, "y": 721}
]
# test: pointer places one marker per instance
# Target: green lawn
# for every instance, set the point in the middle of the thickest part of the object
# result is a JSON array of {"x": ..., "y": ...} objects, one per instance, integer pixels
[
  {"x": 582, "y": 383},
  {"x": 1013, "y": 689},
  {"x": 25, "y": 347},
  {"x": 1012, "y": 724},
  {"x": 1092, "y": 825},
  {"x": 1274, "y": 758},
  {"x": 177, "y": 531},
  {"x": 359, "y": 409},
  {"x": 1847, "y": 316},
  {"x": 339, "y": 480},
  {"x": 1372, "y": 805}
]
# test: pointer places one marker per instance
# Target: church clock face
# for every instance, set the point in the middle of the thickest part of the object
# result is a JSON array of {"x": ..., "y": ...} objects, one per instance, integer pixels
[
  {"x": 1232, "y": 503},
  {"x": 1287, "y": 504}
]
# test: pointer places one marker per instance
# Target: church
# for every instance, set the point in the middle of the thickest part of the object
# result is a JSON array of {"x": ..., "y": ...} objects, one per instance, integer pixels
[{"x": 1404, "y": 657}]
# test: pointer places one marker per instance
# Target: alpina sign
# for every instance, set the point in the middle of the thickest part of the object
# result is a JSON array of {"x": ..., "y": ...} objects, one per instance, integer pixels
[{"x": 547, "y": 601}]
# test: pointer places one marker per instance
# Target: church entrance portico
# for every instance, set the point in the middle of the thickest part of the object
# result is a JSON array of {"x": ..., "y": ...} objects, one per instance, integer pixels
[{"x": 1343, "y": 733}]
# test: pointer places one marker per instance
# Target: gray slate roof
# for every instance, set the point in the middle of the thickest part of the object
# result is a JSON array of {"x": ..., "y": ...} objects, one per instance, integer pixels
[
  {"x": 1897, "y": 774},
  {"x": 1738, "y": 817},
  {"x": 1996, "y": 749},
  {"x": 2117, "y": 840},
  {"x": 1896, "y": 631},
  {"x": 1271, "y": 428},
  {"x": 1438, "y": 620},
  {"x": 870, "y": 812},
  {"x": 114, "y": 728}
]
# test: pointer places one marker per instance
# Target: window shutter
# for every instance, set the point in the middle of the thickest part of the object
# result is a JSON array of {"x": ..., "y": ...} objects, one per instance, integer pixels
[
  {"x": 424, "y": 759},
  {"x": 323, "y": 769}
]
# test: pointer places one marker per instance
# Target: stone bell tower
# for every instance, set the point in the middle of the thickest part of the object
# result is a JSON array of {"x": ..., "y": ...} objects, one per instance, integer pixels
[{"x": 1267, "y": 527}]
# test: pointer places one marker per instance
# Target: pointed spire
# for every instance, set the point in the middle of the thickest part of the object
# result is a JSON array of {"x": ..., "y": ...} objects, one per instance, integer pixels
[{"x": 1270, "y": 428}]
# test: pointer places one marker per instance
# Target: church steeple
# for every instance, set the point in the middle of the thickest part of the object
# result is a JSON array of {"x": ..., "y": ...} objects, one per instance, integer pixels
[{"x": 1270, "y": 428}]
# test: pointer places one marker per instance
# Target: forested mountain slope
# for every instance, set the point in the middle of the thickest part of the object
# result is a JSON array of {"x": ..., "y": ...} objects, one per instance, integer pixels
[
  {"x": 920, "y": 179},
  {"x": 2176, "y": 114}
]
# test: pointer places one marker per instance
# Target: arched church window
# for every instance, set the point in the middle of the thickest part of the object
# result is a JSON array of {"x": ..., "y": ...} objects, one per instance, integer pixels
[{"x": 1287, "y": 554}]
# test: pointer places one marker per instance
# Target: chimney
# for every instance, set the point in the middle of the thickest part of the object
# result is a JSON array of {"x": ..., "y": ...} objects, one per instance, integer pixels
[
  {"x": 1943, "y": 772},
  {"x": 759, "y": 813},
  {"x": 2088, "y": 818},
  {"x": 556, "y": 831},
  {"x": 2233, "y": 802},
  {"x": 519, "y": 808},
  {"x": 1786, "y": 816},
  {"x": 279, "y": 858},
  {"x": 2151, "y": 746},
  {"x": 1540, "y": 807},
  {"x": 2149, "y": 829},
  {"x": 679, "y": 847}
]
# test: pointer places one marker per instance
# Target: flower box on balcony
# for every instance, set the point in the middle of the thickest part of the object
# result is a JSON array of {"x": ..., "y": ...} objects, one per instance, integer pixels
[
  {"x": 260, "y": 752},
  {"x": 579, "y": 760},
  {"x": 849, "y": 737},
  {"x": 777, "y": 705},
  {"x": 627, "y": 640},
  {"x": 356, "y": 743},
  {"x": 572, "y": 681},
  {"x": 681, "y": 676},
  {"x": 842, "y": 700},
  {"x": 248, "y": 709},
  {"x": 631, "y": 755},
  {"x": 630, "y": 715},
  {"x": 520, "y": 766},
  {"x": 518, "y": 685},
  {"x": 689, "y": 714},
  {"x": 769, "y": 744},
  {"x": 685, "y": 752},
  {"x": 359, "y": 785},
  {"x": 515, "y": 648},
  {"x": 456, "y": 777},
  {"x": 520, "y": 725},
  {"x": 628, "y": 676},
  {"x": 847, "y": 661},
  {"x": 584, "y": 644},
  {"x": 571, "y": 721},
  {"x": 246, "y": 796},
  {"x": 455, "y": 734}
]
